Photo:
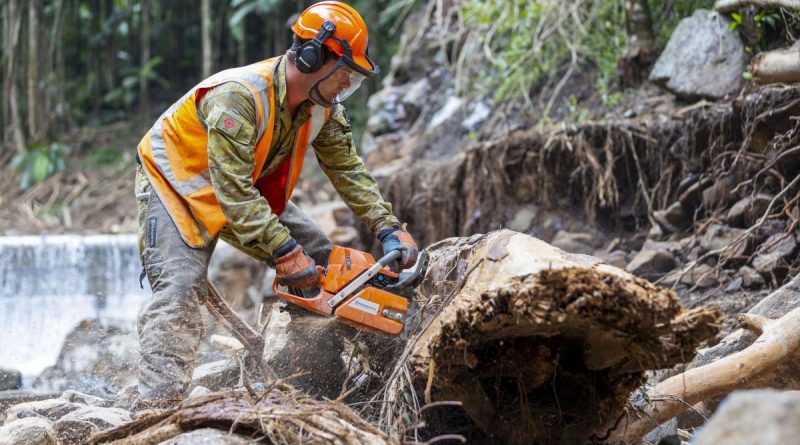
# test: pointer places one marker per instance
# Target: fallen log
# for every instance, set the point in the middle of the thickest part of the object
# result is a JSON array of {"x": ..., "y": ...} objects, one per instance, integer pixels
[
  {"x": 278, "y": 413},
  {"x": 771, "y": 361},
  {"x": 537, "y": 344},
  {"x": 777, "y": 66}
]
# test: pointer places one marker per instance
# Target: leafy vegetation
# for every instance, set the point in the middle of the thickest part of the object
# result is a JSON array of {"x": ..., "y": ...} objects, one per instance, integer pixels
[
  {"x": 529, "y": 44},
  {"x": 40, "y": 162}
]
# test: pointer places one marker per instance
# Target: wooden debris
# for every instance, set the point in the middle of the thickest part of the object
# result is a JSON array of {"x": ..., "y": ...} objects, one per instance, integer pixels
[
  {"x": 278, "y": 414},
  {"x": 536, "y": 343}
]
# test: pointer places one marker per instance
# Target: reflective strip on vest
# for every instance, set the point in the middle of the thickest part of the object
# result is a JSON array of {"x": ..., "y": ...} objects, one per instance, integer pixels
[{"x": 174, "y": 153}]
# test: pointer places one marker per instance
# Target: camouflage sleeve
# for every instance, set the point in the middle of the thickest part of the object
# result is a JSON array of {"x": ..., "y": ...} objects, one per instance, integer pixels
[
  {"x": 230, "y": 115},
  {"x": 338, "y": 158}
]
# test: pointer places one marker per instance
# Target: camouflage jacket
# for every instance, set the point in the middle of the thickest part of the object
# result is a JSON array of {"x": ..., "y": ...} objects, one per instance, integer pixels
[{"x": 231, "y": 163}]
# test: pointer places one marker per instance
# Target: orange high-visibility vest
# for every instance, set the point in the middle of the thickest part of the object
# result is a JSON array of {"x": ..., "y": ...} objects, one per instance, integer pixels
[{"x": 174, "y": 154}]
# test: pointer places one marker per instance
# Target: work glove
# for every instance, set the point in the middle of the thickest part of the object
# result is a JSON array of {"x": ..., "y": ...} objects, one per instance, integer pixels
[
  {"x": 294, "y": 268},
  {"x": 398, "y": 239}
]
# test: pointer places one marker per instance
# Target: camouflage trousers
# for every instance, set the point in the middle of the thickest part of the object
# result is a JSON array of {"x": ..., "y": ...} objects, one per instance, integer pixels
[{"x": 170, "y": 326}]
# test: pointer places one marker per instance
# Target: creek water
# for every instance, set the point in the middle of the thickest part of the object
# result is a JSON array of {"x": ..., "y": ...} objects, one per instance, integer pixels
[{"x": 48, "y": 284}]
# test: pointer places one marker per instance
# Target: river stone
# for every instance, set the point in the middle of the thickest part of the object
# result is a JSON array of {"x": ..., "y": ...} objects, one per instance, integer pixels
[
  {"x": 207, "y": 436},
  {"x": 702, "y": 47},
  {"x": 572, "y": 242},
  {"x": 524, "y": 218},
  {"x": 719, "y": 236},
  {"x": 217, "y": 375},
  {"x": 750, "y": 277},
  {"x": 747, "y": 210},
  {"x": 98, "y": 358},
  {"x": 28, "y": 431},
  {"x": 617, "y": 258},
  {"x": 74, "y": 431},
  {"x": 756, "y": 417},
  {"x": 52, "y": 409},
  {"x": 779, "y": 248},
  {"x": 10, "y": 379},
  {"x": 674, "y": 218},
  {"x": 104, "y": 418},
  {"x": 651, "y": 264}
]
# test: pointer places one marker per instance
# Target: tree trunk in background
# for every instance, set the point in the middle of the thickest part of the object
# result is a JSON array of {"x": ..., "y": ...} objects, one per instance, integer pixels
[
  {"x": 34, "y": 14},
  {"x": 144, "y": 33},
  {"x": 53, "y": 94},
  {"x": 640, "y": 47},
  {"x": 205, "y": 19},
  {"x": 14, "y": 21},
  {"x": 111, "y": 50}
]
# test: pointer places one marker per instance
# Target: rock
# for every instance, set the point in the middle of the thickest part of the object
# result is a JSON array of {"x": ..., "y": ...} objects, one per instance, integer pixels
[
  {"x": 415, "y": 96},
  {"x": 207, "y": 436},
  {"x": 52, "y": 409},
  {"x": 750, "y": 277},
  {"x": 386, "y": 111},
  {"x": 478, "y": 112},
  {"x": 674, "y": 218},
  {"x": 778, "y": 249},
  {"x": 701, "y": 276},
  {"x": 718, "y": 195},
  {"x": 719, "y": 236},
  {"x": 651, "y": 264},
  {"x": 572, "y": 242},
  {"x": 447, "y": 112},
  {"x": 199, "y": 391},
  {"x": 237, "y": 276},
  {"x": 74, "y": 431},
  {"x": 692, "y": 196},
  {"x": 523, "y": 220},
  {"x": 701, "y": 48},
  {"x": 103, "y": 418},
  {"x": 98, "y": 358},
  {"x": 746, "y": 211},
  {"x": 28, "y": 431},
  {"x": 756, "y": 417},
  {"x": 672, "y": 247},
  {"x": 618, "y": 258},
  {"x": 10, "y": 379},
  {"x": 217, "y": 375}
]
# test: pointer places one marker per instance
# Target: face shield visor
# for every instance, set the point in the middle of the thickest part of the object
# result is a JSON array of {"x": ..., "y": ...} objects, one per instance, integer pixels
[{"x": 336, "y": 86}]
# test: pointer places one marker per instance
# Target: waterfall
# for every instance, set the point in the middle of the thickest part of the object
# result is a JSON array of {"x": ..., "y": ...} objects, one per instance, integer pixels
[{"x": 49, "y": 283}]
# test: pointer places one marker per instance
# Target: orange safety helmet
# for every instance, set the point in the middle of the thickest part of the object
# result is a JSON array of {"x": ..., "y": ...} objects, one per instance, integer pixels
[{"x": 348, "y": 37}]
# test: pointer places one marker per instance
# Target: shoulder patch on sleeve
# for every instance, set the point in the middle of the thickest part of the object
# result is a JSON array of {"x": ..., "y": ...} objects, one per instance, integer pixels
[{"x": 228, "y": 124}]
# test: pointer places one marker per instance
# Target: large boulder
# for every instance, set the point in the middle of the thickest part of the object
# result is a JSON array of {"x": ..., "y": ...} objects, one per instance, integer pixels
[
  {"x": 10, "y": 379},
  {"x": 98, "y": 358},
  {"x": 758, "y": 417},
  {"x": 703, "y": 58}
]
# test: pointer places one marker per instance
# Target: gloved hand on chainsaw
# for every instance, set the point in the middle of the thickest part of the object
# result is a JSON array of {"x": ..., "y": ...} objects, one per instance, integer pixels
[
  {"x": 398, "y": 239},
  {"x": 293, "y": 268}
]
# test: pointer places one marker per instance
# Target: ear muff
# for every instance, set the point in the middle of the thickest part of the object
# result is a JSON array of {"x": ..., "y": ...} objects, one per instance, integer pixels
[{"x": 310, "y": 56}]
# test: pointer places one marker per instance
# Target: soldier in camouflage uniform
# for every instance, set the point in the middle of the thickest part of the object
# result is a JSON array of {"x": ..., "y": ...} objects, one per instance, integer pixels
[{"x": 170, "y": 326}]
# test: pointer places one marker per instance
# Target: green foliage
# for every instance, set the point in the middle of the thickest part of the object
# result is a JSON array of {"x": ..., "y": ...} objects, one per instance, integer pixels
[
  {"x": 126, "y": 94},
  {"x": 528, "y": 42},
  {"x": 106, "y": 157},
  {"x": 39, "y": 163}
]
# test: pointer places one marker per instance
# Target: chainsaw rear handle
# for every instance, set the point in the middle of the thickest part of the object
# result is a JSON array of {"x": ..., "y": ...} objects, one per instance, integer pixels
[{"x": 387, "y": 259}]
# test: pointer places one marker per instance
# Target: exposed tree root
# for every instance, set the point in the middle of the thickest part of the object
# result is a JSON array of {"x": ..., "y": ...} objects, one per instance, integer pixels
[{"x": 769, "y": 361}]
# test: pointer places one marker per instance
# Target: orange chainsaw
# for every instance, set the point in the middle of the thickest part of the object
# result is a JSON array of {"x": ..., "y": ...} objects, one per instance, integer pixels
[{"x": 361, "y": 291}]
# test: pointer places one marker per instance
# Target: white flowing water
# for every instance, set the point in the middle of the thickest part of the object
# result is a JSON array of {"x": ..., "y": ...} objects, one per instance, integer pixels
[{"x": 50, "y": 283}]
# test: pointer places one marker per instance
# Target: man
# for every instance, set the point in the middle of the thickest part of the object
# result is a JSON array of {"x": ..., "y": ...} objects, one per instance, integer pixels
[{"x": 222, "y": 162}]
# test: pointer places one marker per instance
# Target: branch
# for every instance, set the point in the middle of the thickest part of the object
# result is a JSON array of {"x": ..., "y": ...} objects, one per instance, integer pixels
[
  {"x": 779, "y": 343},
  {"x": 733, "y": 5}
]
